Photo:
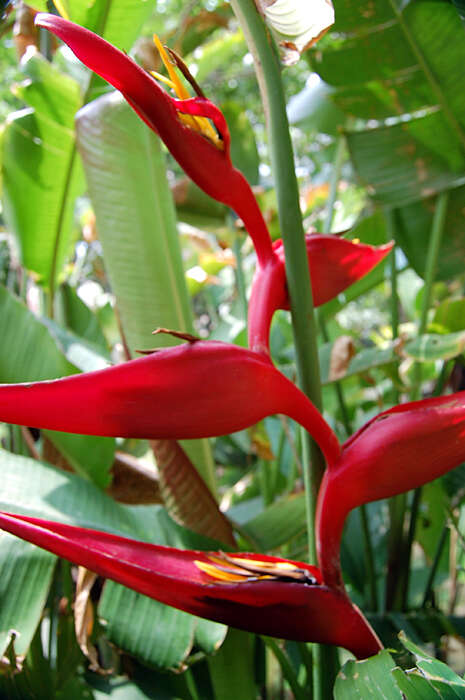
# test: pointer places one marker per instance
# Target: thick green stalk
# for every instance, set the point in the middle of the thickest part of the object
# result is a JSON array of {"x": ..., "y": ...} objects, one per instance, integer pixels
[{"x": 268, "y": 70}]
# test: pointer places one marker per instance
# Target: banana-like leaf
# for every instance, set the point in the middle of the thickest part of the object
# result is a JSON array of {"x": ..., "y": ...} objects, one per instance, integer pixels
[
  {"x": 25, "y": 575},
  {"x": 39, "y": 162},
  {"x": 369, "y": 678},
  {"x": 137, "y": 228},
  {"x": 29, "y": 352},
  {"x": 429, "y": 347},
  {"x": 38, "y": 489},
  {"x": 400, "y": 62},
  {"x": 412, "y": 232},
  {"x": 379, "y": 677}
]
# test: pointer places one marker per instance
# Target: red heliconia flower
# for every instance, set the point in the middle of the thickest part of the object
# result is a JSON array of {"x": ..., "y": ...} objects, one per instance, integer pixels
[
  {"x": 335, "y": 263},
  {"x": 259, "y": 593},
  {"x": 200, "y": 389},
  {"x": 398, "y": 450},
  {"x": 182, "y": 124}
]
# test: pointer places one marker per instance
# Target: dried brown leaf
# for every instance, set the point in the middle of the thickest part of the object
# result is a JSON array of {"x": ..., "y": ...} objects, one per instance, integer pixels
[
  {"x": 342, "y": 352},
  {"x": 186, "y": 496}
]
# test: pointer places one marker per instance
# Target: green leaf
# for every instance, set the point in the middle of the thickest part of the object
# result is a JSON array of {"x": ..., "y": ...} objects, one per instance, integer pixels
[
  {"x": 37, "y": 489},
  {"x": 21, "y": 332},
  {"x": 450, "y": 314},
  {"x": 400, "y": 61},
  {"x": 40, "y": 163},
  {"x": 434, "y": 669},
  {"x": 73, "y": 313},
  {"x": 118, "y": 21},
  {"x": 460, "y": 5},
  {"x": 409, "y": 160},
  {"x": 429, "y": 347},
  {"x": 25, "y": 576},
  {"x": 132, "y": 622},
  {"x": 414, "y": 686},
  {"x": 367, "y": 679},
  {"x": 363, "y": 361},
  {"x": 314, "y": 108},
  {"x": 157, "y": 634},
  {"x": 78, "y": 352},
  {"x": 209, "y": 636},
  {"x": 232, "y": 669},
  {"x": 412, "y": 232},
  {"x": 137, "y": 227},
  {"x": 277, "y": 524},
  {"x": 244, "y": 153}
]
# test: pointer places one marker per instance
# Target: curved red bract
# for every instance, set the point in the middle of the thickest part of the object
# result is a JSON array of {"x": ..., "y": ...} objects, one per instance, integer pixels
[{"x": 283, "y": 609}]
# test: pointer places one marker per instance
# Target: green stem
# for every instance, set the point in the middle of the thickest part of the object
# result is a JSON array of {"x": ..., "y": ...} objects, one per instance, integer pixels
[
  {"x": 334, "y": 183},
  {"x": 434, "y": 567},
  {"x": 390, "y": 216},
  {"x": 437, "y": 230},
  {"x": 307, "y": 660},
  {"x": 369, "y": 558},
  {"x": 414, "y": 510},
  {"x": 268, "y": 71},
  {"x": 240, "y": 281},
  {"x": 396, "y": 564},
  {"x": 59, "y": 229},
  {"x": 286, "y": 668},
  {"x": 397, "y": 504}
]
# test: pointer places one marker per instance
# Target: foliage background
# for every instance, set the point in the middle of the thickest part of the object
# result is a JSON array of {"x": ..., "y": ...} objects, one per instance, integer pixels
[{"x": 97, "y": 250}]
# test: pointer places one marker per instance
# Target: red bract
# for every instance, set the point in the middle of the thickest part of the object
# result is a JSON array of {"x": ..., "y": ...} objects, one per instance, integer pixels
[
  {"x": 335, "y": 263},
  {"x": 199, "y": 583},
  {"x": 207, "y": 164},
  {"x": 398, "y": 450},
  {"x": 196, "y": 390}
]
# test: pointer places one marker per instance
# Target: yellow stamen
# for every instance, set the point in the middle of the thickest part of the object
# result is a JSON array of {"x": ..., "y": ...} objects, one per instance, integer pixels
[
  {"x": 218, "y": 574},
  {"x": 200, "y": 124},
  {"x": 259, "y": 564},
  {"x": 61, "y": 9},
  {"x": 163, "y": 79},
  {"x": 179, "y": 88}
]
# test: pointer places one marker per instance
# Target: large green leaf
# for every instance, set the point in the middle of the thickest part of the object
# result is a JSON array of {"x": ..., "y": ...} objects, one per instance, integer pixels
[
  {"x": 400, "y": 62},
  {"x": 378, "y": 677},
  {"x": 367, "y": 679},
  {"x": 409, "y": 160},
  {"x": 37, "y": 489},
  {"x": 40, "y": 164},
  {"x": 25, "y": 574},
  {"x": 29, "y": 352},
  {"x": 429, "y": 347},
  {"x": 137, "y": 228},
  {"x": 119, "y": 21},
  {"x": 413, "y": 230},
  {"x": 277, "y": 524}
]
